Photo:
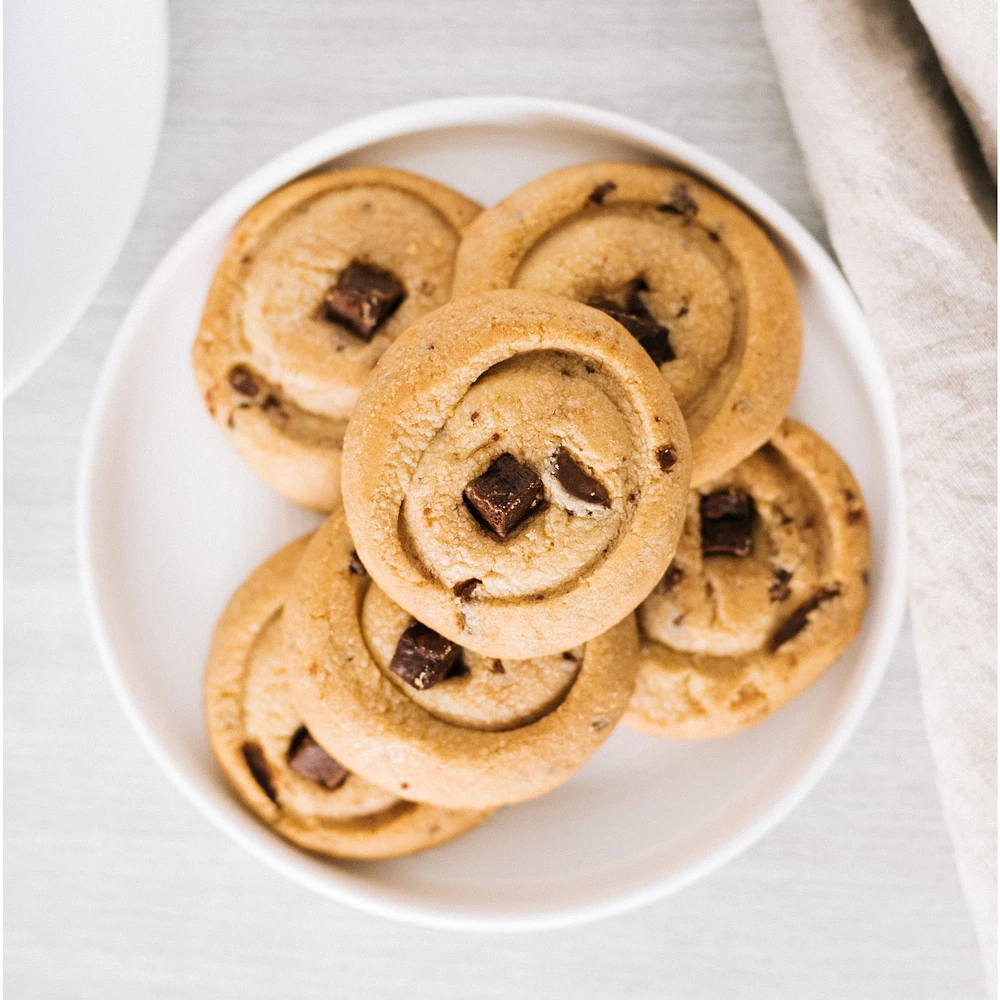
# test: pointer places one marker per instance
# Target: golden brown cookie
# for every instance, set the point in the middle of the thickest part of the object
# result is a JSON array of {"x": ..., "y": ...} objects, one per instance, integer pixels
[
  {"x": 516, "y": 473},
  {"x": 768, "y": 587},
  {"x": 273, "y": 761},
  {"x": 315, "y": 283},
  {"x": 432, "y": 721},
  {"x": 687, "y": 271}
]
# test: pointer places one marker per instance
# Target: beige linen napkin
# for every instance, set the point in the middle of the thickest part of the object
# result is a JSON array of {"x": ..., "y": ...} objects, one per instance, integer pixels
[{"x": 911, "y": 211}]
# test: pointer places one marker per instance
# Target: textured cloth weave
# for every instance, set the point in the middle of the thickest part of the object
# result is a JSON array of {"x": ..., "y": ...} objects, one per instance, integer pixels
[{"x": 883, "y": 112}]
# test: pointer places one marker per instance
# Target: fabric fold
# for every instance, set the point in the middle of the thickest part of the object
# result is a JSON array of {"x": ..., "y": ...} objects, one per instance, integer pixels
[{"x": 911, "y": 211}]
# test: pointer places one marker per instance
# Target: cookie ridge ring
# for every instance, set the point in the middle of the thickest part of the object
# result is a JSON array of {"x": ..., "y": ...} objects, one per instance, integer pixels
[
  {"x": 685, "y": 268},
  {"x": 315, "y": 282},
  {"x": 428, "y": 720},
  {"x": 274, "y": 763},
  {"x": 516, "y": 472},
  {"x": 767, "y": 588}
]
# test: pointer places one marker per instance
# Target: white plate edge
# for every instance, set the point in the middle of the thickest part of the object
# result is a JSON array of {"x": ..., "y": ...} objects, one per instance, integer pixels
[{"x": 477, "y": 111}]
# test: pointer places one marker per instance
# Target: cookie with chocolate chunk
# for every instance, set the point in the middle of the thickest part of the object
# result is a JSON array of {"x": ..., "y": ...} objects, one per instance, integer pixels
[
  {"x": 274, "y": 761},
  {"x": 516, "y": 473},
  {"x": 315, "y": 282},
  {"x": 427, "y": 718},
  {"x": 691, "y": 276},
  {"x": 767, "y": 588}
]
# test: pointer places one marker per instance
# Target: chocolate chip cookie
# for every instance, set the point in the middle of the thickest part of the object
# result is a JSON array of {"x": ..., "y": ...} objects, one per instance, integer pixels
[
  {"x": 315, "y": 283},
  {"x": 767, "y": 588},
  {"x": 684, "y": 269},
  {"x": 516, "y": 473},
  {"x": 274, "y": 762},
  {"x": 428, "y": 719}
]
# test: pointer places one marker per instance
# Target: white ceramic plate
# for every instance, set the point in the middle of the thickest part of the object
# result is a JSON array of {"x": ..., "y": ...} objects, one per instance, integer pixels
[
  {"x": 86, "y": 85},
  {"x": 171, "y": 521}
]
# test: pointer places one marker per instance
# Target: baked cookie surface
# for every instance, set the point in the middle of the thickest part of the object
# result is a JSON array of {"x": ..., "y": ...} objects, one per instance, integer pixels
[
  {"x": 422, "y": 716},
  {"x": 316, "y": 281},
  {"x": 273, "y": 761},
  {"x": 688, "y": 272},
  {"x": 516, "y": 473},
  {"x": 767, "y": 588}
]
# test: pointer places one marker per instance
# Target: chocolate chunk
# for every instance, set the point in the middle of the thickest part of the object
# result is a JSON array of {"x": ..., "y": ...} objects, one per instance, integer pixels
[
  {"x": 640, "y": 322},
  {"x": 654, "y": 338},
  {"x": 308, "y": 758},
  {"x": 363, "y": 298},
  {"x": 666, "y": 458},
  {"x": 726, "y": 503},
  {"x": 578, "y": 483},
  {"x": 681, "y": 202},
  {"x": 727, "y": 523},
  {"x": 600, "y": 192},
  {"x": 466, "y": 588},
  {"x": 504, "y": 495},
  {"x": 244, "y": 381},
  {"x": 670, "y": 579},
  {"x": 799, "y": 618},
  {"x": 356, "y": 566},
  {"x": 271, "y": 402},
  {"x": 779, "y": 589},
  {"x": 855, "y": 515},
  {"x": 423, "y": 657},
  {"x": 253, "y": 754},
  {"x": 497, "y": 667}
]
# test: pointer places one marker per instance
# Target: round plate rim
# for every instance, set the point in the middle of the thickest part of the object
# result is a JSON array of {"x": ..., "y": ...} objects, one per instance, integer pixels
[{"x": 478, "y": 111}]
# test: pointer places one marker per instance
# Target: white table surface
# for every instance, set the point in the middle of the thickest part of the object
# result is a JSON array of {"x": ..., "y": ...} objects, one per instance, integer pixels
[{"x": 116, "y": 887}]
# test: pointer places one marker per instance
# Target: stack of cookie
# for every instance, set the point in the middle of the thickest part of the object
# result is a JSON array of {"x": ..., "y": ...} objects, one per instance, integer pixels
[{"x": 561, "y": 488}]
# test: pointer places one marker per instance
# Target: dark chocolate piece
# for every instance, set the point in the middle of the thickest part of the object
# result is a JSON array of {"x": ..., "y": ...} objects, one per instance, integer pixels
[
  {"x": 458, "y": 670},
  {"x": 423, "y": 657},
  {"x": 497, "y": 667},
  {"x": 244, "y": 381},
  {"x": 503, "y": 496},
  {"x": 640, "y": 322},
  {"x": 652, "y": 336},
  {"x": 799, "y": 618},
  {"x": 727, "y": 523},
  {"x": 363, "y": 298},
  {"x": 308, "y": 758},
  {"x": 779, "y": 589},
  {"x": 356, "y": 566},
  {"x": 600, "y": 192},
  {"x": 670, "y": 579},
  {"x": 253, "y": 754},
  {"x": 681, "y": 202},
  {"x": 666, "y": 458},
  {"x": 726, "y": 503},
  {"x": 578, "y": 483},
  {"x": 466, "y": 588}
]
